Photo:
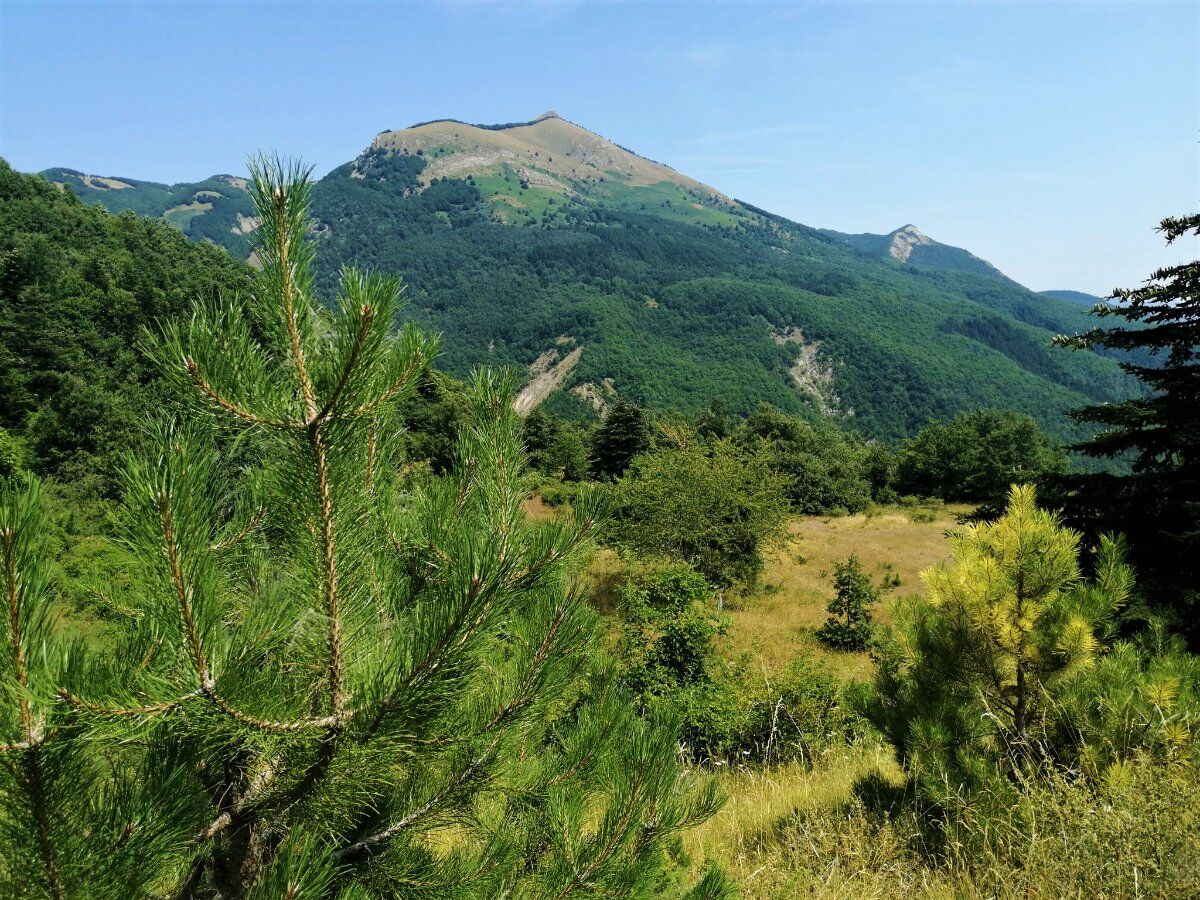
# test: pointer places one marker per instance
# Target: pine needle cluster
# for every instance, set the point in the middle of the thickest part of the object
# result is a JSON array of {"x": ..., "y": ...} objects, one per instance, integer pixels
[
  {"x": 969, "y": 680},
  {"x": 337, "y": 677}
]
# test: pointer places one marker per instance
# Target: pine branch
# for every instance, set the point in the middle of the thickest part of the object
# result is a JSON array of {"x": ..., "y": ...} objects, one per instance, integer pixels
[
  {"x": 369, "y": 845},
  {"x": 360, "y": 339},
  {"x": 17, "y": 513},
  {"x": 419, "y": 361},
  {"x": 152, "y": 709},
  {"x": 255, "y": 521},
  {"x": 246, "y": 415},
  {"x": 329, "y": 559}
]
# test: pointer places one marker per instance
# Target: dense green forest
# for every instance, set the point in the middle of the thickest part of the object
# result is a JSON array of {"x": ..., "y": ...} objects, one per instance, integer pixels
[
  {"x": 79, "y": 287},
  {"x": 675, "y": 301},
  {"x": 215, "y": 209}
]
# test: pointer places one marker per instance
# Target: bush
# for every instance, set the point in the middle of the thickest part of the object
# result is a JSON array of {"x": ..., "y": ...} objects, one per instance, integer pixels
[
  {"x": 669, "y": 649},
  {"x": 555, "y": 446},
  {"x": 716, "y": 508},
  {"x": 742, "y": 715},
  {"x": 12, "y": 455},
  {"x": 668, "y": 631}
]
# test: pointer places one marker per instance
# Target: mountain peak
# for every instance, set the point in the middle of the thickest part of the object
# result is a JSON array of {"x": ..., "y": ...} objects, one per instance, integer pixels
[
  {"x": 903, "y": 241},
  {"x": 524, "y": 167}
]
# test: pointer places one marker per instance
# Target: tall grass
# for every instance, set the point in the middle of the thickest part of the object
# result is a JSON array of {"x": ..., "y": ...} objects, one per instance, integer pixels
[{"x": 795, "y": 832}]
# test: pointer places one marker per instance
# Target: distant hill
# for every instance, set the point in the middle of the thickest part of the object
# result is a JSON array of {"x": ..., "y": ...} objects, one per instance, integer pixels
[
  {"x": 1077, "y": 297},
  {"x": 908, "y": 245},
  {"x": 77, "y": 289},
  {"x": 217, "y": 209},
  {"x": 604, "y": 274}
]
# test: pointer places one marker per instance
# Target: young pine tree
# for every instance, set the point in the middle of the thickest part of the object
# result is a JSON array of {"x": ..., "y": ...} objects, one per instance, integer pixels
[
  {"x": 850, "y": 624},
  {"x": 337, "y": 680},
  {"x": 966, "y": 675}
]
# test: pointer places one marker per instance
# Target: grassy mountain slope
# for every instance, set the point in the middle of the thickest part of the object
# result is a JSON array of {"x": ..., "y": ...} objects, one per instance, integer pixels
[
  {"x": 543, "y": 245},
  {"x": 520, "y": 168}
]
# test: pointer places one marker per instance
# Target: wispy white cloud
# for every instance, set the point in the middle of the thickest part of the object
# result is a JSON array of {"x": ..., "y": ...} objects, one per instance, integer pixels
[
  {"x": 750, "y": 134},
  {"x": 709, "y": 56}
]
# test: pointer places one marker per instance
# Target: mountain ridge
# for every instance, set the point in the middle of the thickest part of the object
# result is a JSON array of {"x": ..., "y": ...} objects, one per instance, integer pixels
[
  {"x": 543, "y": 245},
  {"x": 909, "y": 245}
]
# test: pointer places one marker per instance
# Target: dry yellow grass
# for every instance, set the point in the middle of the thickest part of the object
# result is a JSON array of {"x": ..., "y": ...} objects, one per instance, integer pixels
[
  {"x": 779, "y": 619},
  {"x": 759, "y": 800},
  {"x": 789, "y": 831}
]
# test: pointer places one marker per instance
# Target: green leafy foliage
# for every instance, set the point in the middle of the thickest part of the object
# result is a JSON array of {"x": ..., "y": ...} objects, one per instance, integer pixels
[
  {"x": 716, "y": 507},
  {"x": 669, "y": 647},
  {"x": 669, "y": 624},
  {"x": 555, "y": 446},
  {"x": 77, "y": 288},
  {"x": 850, "y": 625},
  {"x": 12, "y": 455},
  {"x": 824, "y": 468},
  {"x": 976, "y": 457}
]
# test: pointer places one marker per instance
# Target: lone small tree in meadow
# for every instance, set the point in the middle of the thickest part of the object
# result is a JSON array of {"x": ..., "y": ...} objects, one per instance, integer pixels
[
  {"x": 850, "y": 624},
  {"x": 336, "y": 678}
]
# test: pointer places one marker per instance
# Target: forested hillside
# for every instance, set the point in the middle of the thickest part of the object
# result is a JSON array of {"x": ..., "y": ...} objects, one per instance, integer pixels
[
  {"x": 607, "y": 276},
  {"x": 911, "y": 246},
  {"x": 217, "y": 209},
  {"x": 77, "y": 288}
]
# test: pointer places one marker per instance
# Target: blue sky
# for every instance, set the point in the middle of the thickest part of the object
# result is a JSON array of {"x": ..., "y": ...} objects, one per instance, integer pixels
[{"x": 1046, "y": 137}]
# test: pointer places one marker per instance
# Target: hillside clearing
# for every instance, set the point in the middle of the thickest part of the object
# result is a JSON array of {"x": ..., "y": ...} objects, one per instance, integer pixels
[{"x": 779, "y": 619}]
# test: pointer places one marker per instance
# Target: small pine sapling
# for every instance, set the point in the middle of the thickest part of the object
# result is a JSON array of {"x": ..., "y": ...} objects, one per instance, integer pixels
[{"x": 850, "y": 624}]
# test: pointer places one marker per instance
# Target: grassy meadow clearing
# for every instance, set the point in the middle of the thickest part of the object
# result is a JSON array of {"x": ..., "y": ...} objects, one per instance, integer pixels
[
  {"x": 837, "y": 828},
  {"x": 793, "y": 829}
]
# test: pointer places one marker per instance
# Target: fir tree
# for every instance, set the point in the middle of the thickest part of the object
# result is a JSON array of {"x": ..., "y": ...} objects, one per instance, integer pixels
[
  {"x": 338, "y": 679},
  {"x": 850, "y": 623},
  {"x": 623, "y": 436},
  {"x": 1158, "y": 503}
]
